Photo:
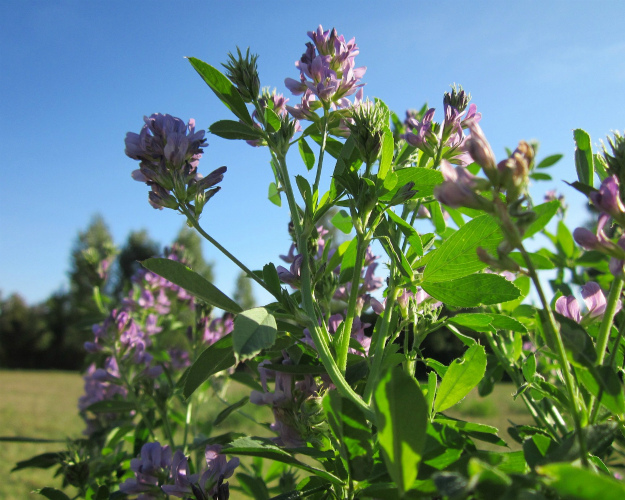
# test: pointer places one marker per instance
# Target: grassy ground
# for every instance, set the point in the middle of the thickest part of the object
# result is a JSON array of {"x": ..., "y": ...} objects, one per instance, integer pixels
[
  {"x": 43, "y": 404},
  {"x": 35, "y": 404}
]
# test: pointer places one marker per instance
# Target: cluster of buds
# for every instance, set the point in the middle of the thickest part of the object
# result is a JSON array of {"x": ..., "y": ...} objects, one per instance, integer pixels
[
  {"x": 367, "y": 125},
  {"x": 169, "y": 152},
  {"x": 594, "y": 299},
  {"x": 296, "y": 406},
  {"x": 608, "y": 201},
  {"x": 447, "y": 138},
  {"x": 243, "y": 73},
  {"x": 327, "y": 71},
  {"x": 616, "y": 161},
  {"x": 159, "y": 473}
]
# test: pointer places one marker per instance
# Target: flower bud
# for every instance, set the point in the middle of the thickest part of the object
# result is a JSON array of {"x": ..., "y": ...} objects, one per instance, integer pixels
[
  {"x": 369, "y": 122},
  {"x": 482, "y": 153},
  {"x": 458, "y": 98},
  {"x": 608, "y": 197},
  {"x": 616, "y": 161},
  {"x": 244, "y": 74}
]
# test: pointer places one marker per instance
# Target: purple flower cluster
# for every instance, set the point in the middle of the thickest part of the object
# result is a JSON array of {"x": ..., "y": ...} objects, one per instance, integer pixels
[
  {"x": 157, "y": 471},
  {"x": 593, "y": 298},
  {"x": 423, "y": 134},
  {"x": 168, "y": 152},
  {"x": 327, "y": 73},
  {"x": 295, "y": 405},
  {"x": 608, "y": 201},
  {"x": 369, "y": 283}
]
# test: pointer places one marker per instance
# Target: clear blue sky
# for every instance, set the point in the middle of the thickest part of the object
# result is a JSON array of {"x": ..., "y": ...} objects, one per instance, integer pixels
[{"x": 75, "y": 76}]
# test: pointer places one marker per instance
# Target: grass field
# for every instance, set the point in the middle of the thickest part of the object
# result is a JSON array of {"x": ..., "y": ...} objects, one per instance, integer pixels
[{"x": 44, "y": 405}]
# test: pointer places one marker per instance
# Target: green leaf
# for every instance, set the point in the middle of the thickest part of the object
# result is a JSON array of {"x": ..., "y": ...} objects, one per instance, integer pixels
[
  {"x": 425, "y": 180},
  {"x": 333, "y": 147},
  {"x": 386, "y": 156},
  {"x": 578, "y": 344},
  {"x": 254, "y": 330},
  {"x": 581, "y": 484},
  {"x": 352, "y": 433},
  {"x": 255, "y": 447},
  {"x": 348, "y": 262},
  {"x": 223, "y": 89},
  {"x": 23, "y": 439},
  {"x": 408, "y": 231},
  {"x": 254, "y": 486},
  {"x": 214, "y": 358},
  {"x": 272, "y": 120},
  {"x": 539, "y": 261},
  {"x": 402, "y": 421},
  {"x": 274, "y": 195},
  {"x": 604, "y": 380},
  {"x": 565, "y": 240},
  {"x": 111, "y": 406},
  {"x": 306, "y": 153},
  {"x": 471, "y": 291},
  {"x": 461, "y": 376},
  {"x": 342, "y": 221},
  {"x": 475, "y": 321},
  {"x": 52, "y": 493},
  {"x": 544, "y": 213},
  {"x": 223, "y": 414},
  {"x": 43, "y": 461},
  {"x": 229, "y": 129},
  {"x": 438, "y": 218},
  {"x": 457, "y": 256},
  {"x": 503, "y": 322},
  {"x": 583, "y": 157},
  {"x": 192, "y": 282},
  {"x": 549, "y": 161},
  {"x": 540, "y": 176}
]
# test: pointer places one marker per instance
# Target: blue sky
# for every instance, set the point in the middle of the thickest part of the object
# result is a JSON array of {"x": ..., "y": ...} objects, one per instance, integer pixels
[{"x": 75, "y": 76}]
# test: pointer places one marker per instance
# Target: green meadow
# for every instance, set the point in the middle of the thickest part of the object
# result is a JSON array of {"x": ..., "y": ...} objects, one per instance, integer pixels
[{"x": 44, "y": 405}]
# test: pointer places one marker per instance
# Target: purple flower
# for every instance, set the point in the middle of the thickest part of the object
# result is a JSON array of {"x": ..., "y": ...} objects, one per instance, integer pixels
[
  {"x": 617, "y": 265},
  {"x": 151, "y": 468},
  {"x": 608, "y": 198},
  {"x": 593, "y": 298},
  {"x": 481, "y": 152},
  {"x": 458, "y": 188},
  {"x": 422, "y": 136},
  {"x": 327, "y": 70}
]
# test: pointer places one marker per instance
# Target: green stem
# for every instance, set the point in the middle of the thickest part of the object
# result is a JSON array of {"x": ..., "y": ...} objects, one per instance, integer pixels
[
  {"x": 608, "y": 319},
  {"x": 133, "y": 396},
  {"x": 319, "y": 333},
  {"x": 187, "y": 424},
  {"x": 222, "y": 249},
  {"x": 342, "y": 342},
  {"x": 537, "y": 413},
  {"x": 561, "y": 353},
  {"x": 594, "y": 402},
  {"x": 166, "y": 426},
  {"x": 324, "y": 139},
  {"x": 378, "y": 340}
]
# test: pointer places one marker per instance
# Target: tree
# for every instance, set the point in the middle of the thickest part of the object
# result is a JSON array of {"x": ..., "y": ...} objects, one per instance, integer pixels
[
  {"x": 244, "y": 295},
  {"x": 192, "y": 245},
  {"x": 92, "y": 255}
]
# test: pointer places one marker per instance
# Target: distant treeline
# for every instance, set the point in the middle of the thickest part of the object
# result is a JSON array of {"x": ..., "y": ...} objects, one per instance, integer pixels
[{"x": 51, "y": 335}]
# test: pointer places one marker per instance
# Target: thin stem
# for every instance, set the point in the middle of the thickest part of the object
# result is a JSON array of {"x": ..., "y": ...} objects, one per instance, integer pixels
[
  {"x": 324, "y": 139},
  {"x": 166, "y": 426},
  {"x": 566, "y": 371},
  {"x": 319, "y": 333},
  {"x": 608, "y": 319},
  {"x": 536, "y": 412},
  {"x": 342, "y": 342},
  {"x": 133, "y": 396},
  {"x": 222, "y": 249},
  {"x": 378, "y": 340},
  {"x": 595, "y": 402}
]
